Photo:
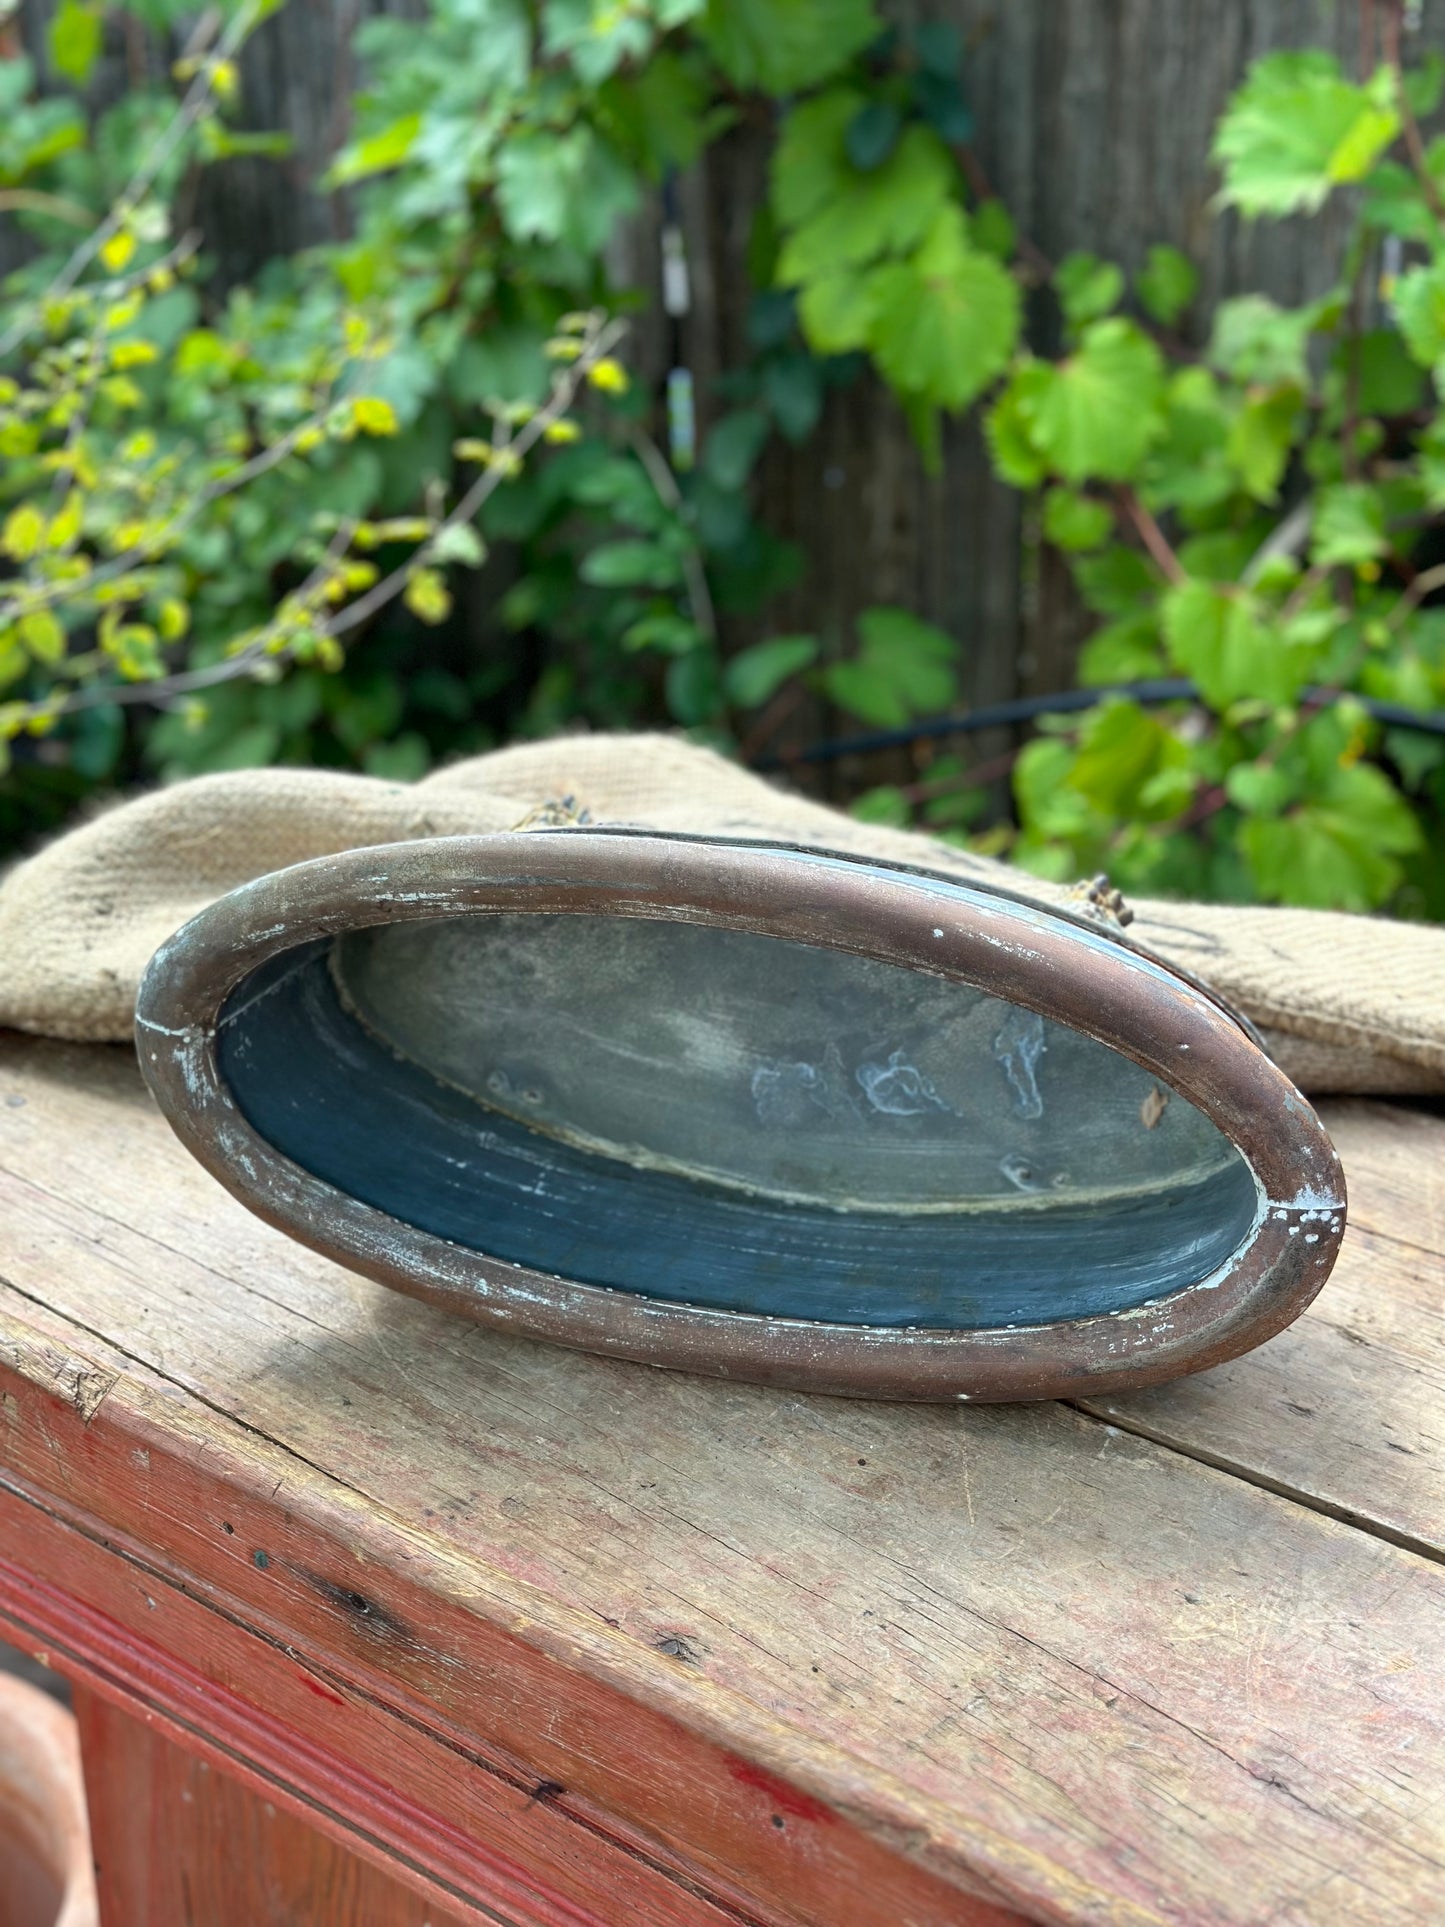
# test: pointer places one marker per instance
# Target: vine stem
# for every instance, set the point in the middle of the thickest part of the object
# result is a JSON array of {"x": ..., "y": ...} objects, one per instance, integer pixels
[
  {"x": 665, "y": 483},
  {"x": 1151, "y": 535},
  {"x": 1410, "y": 127}
]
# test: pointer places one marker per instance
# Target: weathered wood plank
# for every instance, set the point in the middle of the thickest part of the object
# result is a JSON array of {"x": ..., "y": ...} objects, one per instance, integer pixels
[
  {"x": 1346, "y": 1409},
  {"x": 1117, "y": 1684},
  {"x": 171, "y": 1834}
]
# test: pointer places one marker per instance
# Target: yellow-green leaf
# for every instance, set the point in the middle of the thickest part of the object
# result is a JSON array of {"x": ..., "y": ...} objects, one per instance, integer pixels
[
  {"x": 43, "y": 636},
  {"x": 427, "y": 595},
  {"x": 23, "y": 533}
]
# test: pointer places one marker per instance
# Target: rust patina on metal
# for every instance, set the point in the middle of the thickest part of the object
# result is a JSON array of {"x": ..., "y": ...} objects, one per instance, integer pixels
[{"x": 211, "y": 983}]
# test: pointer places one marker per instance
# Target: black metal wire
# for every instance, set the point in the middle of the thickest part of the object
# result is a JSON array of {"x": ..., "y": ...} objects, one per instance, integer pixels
[{"x": 1023, "y": 709}]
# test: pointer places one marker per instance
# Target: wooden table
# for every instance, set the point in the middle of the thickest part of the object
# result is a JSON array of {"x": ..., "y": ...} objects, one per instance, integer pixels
[{"x": 378, "y": 1618}]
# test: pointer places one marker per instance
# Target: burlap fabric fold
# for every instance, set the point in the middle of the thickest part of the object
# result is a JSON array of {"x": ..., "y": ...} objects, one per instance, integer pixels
[{"x": 1346, "y": 1003}]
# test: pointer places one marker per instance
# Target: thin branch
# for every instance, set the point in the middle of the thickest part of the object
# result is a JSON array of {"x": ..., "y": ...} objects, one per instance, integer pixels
[
  {"x": 193, "y": 104},
  {"x": 1152, "y": 536},
  {"x": 1287, "y": 538},
  {"x": 1414, "y": 142},
  {"x": 73, "y": 589},
  {"x": 665, "y": 483},
  {"x": 258, "y": 655},
  {"x": 564, "y": 391},
  {"x": 1423, "y": 584},
  {"x": 30, "y": 200}
]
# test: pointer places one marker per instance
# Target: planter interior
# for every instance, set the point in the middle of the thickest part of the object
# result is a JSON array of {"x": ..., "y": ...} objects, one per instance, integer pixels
[{"x": 765, "y": 1112}]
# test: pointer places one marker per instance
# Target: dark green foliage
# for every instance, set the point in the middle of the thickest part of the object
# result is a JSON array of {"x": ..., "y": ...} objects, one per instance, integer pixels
[{"x": 1261, "y": 518}]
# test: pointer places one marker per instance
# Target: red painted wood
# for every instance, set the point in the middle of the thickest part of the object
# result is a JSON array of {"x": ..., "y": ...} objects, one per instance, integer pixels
[
  {"x": 463, "y": 1838},
  {"x": 304, "y": 1732},
  {"x": 177, "y": 1841}
]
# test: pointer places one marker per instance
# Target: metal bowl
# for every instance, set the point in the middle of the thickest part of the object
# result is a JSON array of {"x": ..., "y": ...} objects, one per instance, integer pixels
[{"x": 763, "y": 1112}]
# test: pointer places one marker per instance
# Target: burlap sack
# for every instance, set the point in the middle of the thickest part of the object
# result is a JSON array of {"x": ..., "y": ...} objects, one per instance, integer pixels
[{"x": 1346, "y": 1003}]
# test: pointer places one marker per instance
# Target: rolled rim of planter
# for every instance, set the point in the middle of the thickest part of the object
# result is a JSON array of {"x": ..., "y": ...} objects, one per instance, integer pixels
[{"x": 210, "y": 984}]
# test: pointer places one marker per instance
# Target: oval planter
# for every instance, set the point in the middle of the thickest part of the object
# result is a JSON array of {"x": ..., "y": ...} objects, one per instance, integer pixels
[
  {"x": 763, "y": 1112},
  {"x": 46, "y": 1877}
]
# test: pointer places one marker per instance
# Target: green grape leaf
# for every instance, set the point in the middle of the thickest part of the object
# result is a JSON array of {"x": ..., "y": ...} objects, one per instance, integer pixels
[
  {"x": 1255, "y": 340},
  {"x": 852, "y": 217},
  {"x": 1424, "y": 83},
  {"x": 792, "y": 387},
  {"x": 1073, "y": 521},
  {"x": 1116, "y": 582},
  {"x": 1187, "y": 467},
  {"x": 1121, "y": 748},
  {"x": 1006, "y": 427},
  {"x": 785, "y": 46},
  {"x": 662, "y": 113},
  {"x": 1260, "y": 789},
  {"x": 992, "y": 230},
  {"x": 1101, "y": 410},
  {"x": 1420, "y": 312},
  {"x": 836, "y": 312},
  {"x": 944, "y": 323},
  {"x": 1087, "y": 287},
  {"x": 1349, "y": 525},
  {"x": 1214, "y": 634},
  {"x": 1261, "y": 437},
  {"x": 919, "y": 658},
  {"x": 1297, "y": 128},
  {"x": 694, "y": 687},
  {"x": 1392, "y": 200},
  {"x": 664, "y": 630},
  {"x": 1166, "y": 284},
  {"x": 1338, "y": 851},
  {"x": 867, "y": 691},
  {"x": 904, "y": 668},
  {"x": 1048, "y": 803},
  {"x": 567, "y": 187},
  {"x": 1123, "y": 651},
  {"x": 1388, "y": 379},
  {"x": 595, "y": 40},
  {"x": 753, "y": 675}
]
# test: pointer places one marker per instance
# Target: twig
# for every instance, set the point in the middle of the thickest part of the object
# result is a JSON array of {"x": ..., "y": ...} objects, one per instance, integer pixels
[
  {"x": 30, "y": 200},
  {"x": 564, "y": 389},
  {"x": 1287, "y": 538},
  {"x": 977, "y": 178},
  {"x": 1422, "y": 585},
  {"x": 72, "y": 589},
  {"x": 775, "y": 713},
  {"x": 258, "y": 654},
  {"x": 1410, "y": 127},
  {"x": 665, "y": 483},
  {"x": 193, "y": 105},
  {"x": 1151, "y": 535}
]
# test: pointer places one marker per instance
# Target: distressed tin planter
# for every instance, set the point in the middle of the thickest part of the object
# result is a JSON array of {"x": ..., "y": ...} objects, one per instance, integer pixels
[{"x": 754, "y": 1111}]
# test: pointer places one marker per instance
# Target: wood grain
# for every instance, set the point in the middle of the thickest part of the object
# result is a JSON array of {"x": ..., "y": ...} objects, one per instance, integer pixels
[
  {"x": 177, "y": 1841},
  {"x": 1019, "y": 1651},
  {"x": 1345, "y": 1411}
]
